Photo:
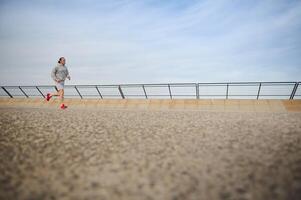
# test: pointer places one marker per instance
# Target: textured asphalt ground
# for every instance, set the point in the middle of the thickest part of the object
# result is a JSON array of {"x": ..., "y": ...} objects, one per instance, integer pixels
[{"x": 46, "y": 153}]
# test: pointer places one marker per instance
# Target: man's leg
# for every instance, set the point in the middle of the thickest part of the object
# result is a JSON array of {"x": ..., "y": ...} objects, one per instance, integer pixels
[
  {"x": 56, "y": 94},
  {"x": 61, "y": 94},
  {"x": 62, "y": 99},
  {"x": 49, "y": 95}
]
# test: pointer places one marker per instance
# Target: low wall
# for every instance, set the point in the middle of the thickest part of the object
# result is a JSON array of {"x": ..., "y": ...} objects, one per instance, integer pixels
[{"x": 166, "y": 104}]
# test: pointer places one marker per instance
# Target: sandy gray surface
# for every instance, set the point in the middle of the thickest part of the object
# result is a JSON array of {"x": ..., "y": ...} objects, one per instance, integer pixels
[{"x": 126, "y": 154}]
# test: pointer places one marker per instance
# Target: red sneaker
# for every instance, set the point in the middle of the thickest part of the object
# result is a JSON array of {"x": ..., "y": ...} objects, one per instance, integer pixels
[
  {"x": 63, "y": 106},
  {"x": 48, "y": 97}
]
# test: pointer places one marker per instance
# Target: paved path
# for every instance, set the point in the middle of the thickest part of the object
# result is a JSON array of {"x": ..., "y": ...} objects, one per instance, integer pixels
[
  {"x": 215, "y": 105},
  {"x": 46, "y": 153}
]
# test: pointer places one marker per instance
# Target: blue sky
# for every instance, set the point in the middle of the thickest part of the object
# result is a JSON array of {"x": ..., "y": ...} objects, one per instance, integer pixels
[{"x": 150, "y": 41}]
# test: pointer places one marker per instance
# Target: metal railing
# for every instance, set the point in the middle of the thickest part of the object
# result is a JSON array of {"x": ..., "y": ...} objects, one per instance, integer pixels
[{"x": 229, "y": 90}]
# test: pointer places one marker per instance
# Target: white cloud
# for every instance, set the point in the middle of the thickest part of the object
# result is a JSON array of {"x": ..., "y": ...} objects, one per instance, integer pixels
[{"x": 149, "y": 41}]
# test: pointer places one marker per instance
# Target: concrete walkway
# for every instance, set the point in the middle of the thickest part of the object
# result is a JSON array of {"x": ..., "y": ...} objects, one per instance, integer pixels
[
  {"x": 166, "y": 104},
  {"x": 148, "y": 153}
]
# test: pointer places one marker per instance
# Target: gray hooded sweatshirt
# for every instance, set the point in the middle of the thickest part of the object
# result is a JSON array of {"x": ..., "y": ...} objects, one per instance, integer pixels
[{"x": 59, "y": 73}]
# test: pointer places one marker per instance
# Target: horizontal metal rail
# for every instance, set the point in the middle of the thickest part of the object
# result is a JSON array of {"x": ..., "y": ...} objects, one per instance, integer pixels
[{"x": 191, "y": 90}]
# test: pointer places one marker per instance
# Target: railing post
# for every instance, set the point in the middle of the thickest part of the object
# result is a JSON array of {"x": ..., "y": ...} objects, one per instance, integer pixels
[
  {"x": 169, "y": 91},
  {"x": 144, "y": 91},
  {"x": 294, "y": 91},
  {"x": 23, "y": 92},
  {"x": 98, "y": 91},
  {"x": 40, "y": 91},
  {"x": 197, "y": 92},
  {"x": 120, "y": 91},
  {"x": 258, "y": 91},
  {"x": 7, "y": 92},
  {"x": 78, "y": 92},
  {"x": 227, "y": 93}
]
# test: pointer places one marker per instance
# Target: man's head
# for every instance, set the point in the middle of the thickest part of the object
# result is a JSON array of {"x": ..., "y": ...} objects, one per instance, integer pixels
[{"x": 62, "y": 61}]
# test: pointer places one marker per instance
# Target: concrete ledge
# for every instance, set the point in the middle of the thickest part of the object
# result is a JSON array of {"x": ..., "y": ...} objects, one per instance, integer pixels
[
  {"x": 292, "y": 105},
  {"x": 220, "y": 105}
]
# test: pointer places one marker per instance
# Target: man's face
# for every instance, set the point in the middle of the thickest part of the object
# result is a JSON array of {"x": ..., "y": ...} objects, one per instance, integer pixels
[{"x": 63, "y": 61}]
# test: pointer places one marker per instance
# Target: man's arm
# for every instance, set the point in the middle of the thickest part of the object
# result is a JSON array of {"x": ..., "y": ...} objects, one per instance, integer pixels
[
  {"x": 53, "y": 74},
  {"x": 68, "y": 76}
]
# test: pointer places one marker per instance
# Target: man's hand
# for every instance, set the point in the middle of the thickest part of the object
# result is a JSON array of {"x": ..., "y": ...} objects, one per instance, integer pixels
[{"x": 69, "y": 77}]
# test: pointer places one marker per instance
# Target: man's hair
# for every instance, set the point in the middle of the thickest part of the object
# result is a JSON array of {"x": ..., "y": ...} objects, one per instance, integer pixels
[{"x": 59, "y": 61}]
